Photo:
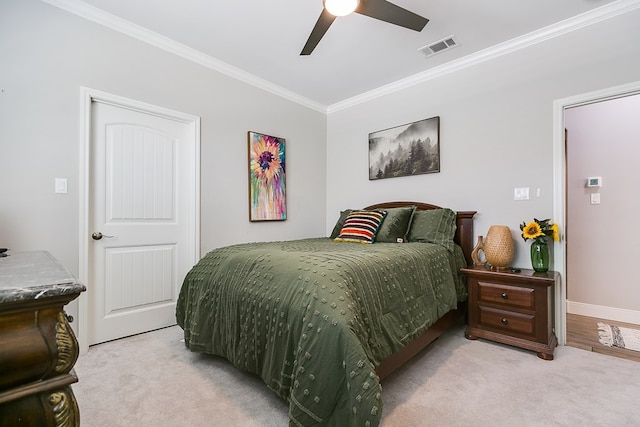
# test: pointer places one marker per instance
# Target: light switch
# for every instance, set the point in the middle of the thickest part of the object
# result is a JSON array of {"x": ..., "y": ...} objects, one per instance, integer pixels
[
  {"x": 595, "y": 198},
  {"x": 61, "y": 186},
  {"x": 521, "y": 193}
]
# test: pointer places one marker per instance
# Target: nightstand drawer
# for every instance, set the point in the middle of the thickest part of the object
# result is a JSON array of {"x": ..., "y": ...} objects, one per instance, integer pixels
[
  {"x": 506, "y": 295},
  {"x": 512, "y": 307},
  {"x": 507, "y": 321}
]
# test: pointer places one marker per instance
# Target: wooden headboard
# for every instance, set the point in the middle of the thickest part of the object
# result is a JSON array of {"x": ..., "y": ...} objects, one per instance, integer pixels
[{"x": 464, "y": 223}]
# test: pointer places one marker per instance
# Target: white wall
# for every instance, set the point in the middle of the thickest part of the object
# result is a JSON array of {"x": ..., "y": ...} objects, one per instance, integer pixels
[
  {"x": 603, "y": 141},
  {"x": 47, "y": 54},
  {"x": 496, "y": 128}
]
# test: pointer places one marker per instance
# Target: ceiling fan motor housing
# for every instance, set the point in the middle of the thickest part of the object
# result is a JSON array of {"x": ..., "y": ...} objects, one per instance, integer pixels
[{"x": 381, "y": 10}]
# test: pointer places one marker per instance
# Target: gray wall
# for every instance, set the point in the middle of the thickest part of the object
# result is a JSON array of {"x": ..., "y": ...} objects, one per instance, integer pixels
[
  {"x": 47, "y": 54},
  {"x": 603, "y": 140},
  {"x": 496, "y": 128}
]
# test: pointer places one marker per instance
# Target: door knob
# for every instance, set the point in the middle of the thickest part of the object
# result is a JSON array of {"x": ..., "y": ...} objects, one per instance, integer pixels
[{"x": 98, "y": 235}]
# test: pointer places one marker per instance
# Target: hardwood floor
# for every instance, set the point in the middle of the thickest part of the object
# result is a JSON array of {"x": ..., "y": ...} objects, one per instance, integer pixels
[{"x": 582, "y": 332}]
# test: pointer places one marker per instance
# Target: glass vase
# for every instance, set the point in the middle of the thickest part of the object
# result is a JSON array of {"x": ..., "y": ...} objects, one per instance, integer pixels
[{"x": 540, "y": 256}]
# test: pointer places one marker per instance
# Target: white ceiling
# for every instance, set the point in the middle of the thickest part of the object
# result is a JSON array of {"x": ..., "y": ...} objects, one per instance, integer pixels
[{"x": 261, "y": 40}]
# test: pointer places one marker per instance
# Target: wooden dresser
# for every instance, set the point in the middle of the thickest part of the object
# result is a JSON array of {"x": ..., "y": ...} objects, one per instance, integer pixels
[
  {"x": 37, "y": 346},
  {"x": 514, "y": 308}
]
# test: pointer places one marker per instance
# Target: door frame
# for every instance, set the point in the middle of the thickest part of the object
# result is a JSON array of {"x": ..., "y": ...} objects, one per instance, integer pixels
[
  {"x": 87, "y": 97},
  {"x": 560, "y": 187}
]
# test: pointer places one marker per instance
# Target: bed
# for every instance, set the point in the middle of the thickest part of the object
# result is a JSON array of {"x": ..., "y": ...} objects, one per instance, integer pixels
[{"x": 323, "y": 321}]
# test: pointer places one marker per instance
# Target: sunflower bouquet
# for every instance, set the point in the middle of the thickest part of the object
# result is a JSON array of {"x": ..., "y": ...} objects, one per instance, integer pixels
[{"x": 540, "y": 230}]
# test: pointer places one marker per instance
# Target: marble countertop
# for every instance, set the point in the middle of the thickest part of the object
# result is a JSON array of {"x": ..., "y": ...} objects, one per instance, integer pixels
[{"x": 34, "y": 275}]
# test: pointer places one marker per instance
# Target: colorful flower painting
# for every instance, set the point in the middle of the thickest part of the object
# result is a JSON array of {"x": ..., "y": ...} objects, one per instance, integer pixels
[{"x": 267, "y": 195}]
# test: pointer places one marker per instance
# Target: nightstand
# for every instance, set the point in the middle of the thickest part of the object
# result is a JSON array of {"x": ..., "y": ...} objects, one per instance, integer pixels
[{"x": 514, "y": 308}]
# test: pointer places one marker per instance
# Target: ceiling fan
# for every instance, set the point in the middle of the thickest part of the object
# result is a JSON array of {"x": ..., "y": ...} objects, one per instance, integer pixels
[{"x": 378, "y": 9}]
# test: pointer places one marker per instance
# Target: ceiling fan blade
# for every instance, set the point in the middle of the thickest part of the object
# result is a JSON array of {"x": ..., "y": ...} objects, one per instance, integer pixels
[
  {"x": 324, "y": 22},
  {"x": 389, "y": 12}
]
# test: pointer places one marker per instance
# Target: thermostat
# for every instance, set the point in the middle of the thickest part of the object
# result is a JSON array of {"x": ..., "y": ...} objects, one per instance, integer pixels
[{"x": 594, "y": 181}]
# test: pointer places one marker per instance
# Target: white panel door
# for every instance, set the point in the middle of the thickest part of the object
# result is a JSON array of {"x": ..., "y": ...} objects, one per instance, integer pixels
[{"x": 139, "y": 217}]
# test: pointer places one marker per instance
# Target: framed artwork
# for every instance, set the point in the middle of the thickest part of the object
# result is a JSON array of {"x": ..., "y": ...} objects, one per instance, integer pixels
[
  {"x": 410, "y": 149},
  {"x": 267, "y": 195}
]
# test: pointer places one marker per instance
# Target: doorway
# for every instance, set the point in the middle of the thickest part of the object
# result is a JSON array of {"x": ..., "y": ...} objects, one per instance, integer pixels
[
  {"x": 139, "y": 215},
  {"x": 561, "y": 187}
]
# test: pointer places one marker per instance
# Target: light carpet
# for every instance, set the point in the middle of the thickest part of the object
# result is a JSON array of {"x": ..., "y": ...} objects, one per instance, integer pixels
[
  {"x": 617, "y": 336},
  {"x": 153, "y": 380}
]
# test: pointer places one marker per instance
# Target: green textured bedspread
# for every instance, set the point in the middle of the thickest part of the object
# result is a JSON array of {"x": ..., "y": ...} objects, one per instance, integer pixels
[{"x": 314, "y": 317}]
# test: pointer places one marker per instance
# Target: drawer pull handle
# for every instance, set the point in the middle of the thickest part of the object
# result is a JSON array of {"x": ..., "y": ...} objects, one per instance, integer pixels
[
  {"x": 504, "y": 321},
  {"x": 504, "y": 295}
]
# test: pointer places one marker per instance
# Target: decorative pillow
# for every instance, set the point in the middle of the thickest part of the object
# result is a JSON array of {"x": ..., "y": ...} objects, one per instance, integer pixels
[
  {"x": 340, "y": 223},
  {"x": 434, "y": 226},
  {"x": 361, "y": 226},
  {"x": 395, "y": 225}
]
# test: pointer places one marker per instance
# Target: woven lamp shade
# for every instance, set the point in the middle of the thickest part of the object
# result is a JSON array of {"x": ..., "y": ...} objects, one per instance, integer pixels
[{"x": 498, "y": 246}]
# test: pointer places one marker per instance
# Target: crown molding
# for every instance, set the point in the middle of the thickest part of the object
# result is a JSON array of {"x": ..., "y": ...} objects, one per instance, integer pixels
[
  {"x": 130, "y": 29},
  {"x": 577, "y": 22},
  {"x": 123, "y": 26}
]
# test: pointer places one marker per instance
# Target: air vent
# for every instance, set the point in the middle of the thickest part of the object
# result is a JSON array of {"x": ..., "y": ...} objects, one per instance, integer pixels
[{"x": 439, "y": 46}]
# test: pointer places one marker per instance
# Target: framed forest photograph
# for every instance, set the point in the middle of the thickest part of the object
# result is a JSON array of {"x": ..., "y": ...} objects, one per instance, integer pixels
[
  {"x": 267, "y": 195},
  {"x": 410, "y": 149}
]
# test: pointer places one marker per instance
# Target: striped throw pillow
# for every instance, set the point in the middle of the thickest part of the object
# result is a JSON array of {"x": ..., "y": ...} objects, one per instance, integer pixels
[{"x": 361, "y": 226}]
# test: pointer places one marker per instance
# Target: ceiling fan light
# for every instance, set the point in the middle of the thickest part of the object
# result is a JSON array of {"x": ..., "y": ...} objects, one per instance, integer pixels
[{"x": 340, "y": 7}]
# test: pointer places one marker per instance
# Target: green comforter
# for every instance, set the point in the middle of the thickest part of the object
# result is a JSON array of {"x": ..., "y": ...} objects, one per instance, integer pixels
[{"x": 314, "y": 317}]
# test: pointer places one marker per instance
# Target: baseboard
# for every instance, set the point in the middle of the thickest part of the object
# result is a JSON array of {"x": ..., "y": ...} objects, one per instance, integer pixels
[{"x": 603, "y": 312}]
